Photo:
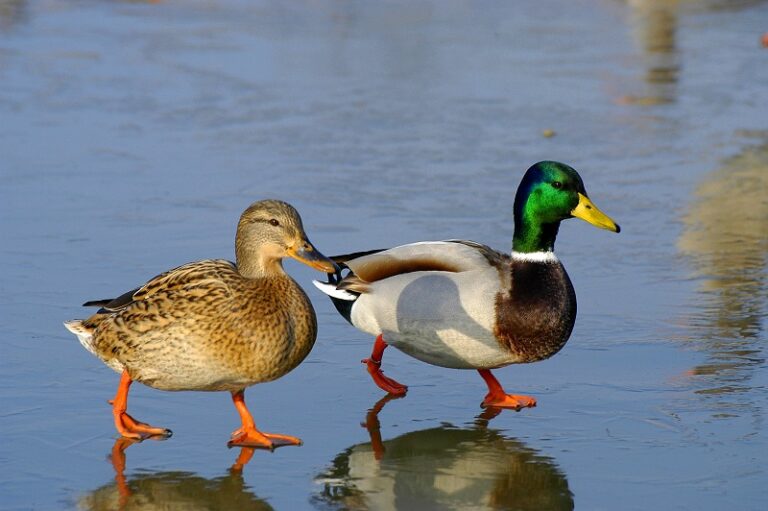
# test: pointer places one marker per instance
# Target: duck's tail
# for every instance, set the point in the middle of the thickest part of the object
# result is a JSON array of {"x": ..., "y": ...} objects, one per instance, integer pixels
[
  {"x": 342, "y": 299},
  {"x": 344, "y": 290},
  {"x": 332, "y": 290},
  {"x": 83, "y": 332}
]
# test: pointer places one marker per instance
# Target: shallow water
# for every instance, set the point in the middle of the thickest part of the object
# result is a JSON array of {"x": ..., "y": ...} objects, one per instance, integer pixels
[{"x": 133, "y": 134}]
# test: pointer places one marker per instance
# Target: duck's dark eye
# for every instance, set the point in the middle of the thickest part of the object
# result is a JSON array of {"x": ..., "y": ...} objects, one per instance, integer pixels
[
  {"x": 557, "y": 185},
  {"x": 274, "y": 222}
]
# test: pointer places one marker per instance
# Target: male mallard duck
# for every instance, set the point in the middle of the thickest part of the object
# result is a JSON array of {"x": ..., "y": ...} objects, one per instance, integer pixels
[
  {"x": 463, "y": 305},
  {"x": 212, "y": 324}
]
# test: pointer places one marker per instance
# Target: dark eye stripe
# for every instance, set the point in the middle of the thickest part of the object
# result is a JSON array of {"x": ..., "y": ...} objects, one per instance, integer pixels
[{"x": 270, "y": 221}]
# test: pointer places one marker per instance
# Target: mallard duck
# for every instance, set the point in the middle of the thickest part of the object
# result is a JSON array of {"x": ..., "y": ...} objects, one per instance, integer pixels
[
  {"x": 463, "y": 305},
  {"x": 446, "y": 468},
  {"x": 213, "y": 325},
  {"x": 150, "y": 490}
]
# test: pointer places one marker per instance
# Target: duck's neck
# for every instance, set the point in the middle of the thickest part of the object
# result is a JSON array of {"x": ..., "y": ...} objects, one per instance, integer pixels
[
  {"x": 532, "y": 236},
  {"x": 257, "y": 262},
  {"x": 259, "y": 270}
]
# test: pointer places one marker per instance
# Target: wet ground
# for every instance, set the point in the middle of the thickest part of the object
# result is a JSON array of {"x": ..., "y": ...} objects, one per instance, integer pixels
[{"x": 133, "y": 134}]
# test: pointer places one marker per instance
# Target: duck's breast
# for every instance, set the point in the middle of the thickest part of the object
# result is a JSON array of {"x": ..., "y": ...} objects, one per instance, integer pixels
[{"x": 535, "y": 317}]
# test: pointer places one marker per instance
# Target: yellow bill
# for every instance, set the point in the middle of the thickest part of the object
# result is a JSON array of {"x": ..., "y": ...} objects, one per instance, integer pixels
[{"x": 588, "y": 212}]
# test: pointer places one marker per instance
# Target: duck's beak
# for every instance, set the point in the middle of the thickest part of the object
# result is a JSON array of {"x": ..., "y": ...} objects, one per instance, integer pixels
[
  {"x": 588, "y": 212},
  {"x": 306, "y": 253}
]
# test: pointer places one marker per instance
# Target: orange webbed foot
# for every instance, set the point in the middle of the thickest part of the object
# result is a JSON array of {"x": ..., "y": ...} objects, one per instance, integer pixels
[
  {"x": 508, "y": 401},
  {"x": 126, "y": 425},
  {"x": 248, "y": 436},
  {"x": 496, "y": 396},
  {"x": 252, "y": 437},
  {"x": 129, "y": 427},
  {"x": 384, "y": 383}
]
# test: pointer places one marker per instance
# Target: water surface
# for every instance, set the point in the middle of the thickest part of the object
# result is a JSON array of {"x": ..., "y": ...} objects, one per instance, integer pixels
[{"x": 133, "y": 134}]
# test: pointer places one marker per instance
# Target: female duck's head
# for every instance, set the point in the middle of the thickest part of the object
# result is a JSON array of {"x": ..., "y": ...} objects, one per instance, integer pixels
[
  {"x": 270, "y": 230},
  {"x": 549, "y": 193}
]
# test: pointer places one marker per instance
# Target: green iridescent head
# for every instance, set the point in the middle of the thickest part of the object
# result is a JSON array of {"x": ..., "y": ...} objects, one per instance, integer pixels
[{"x": 549, "y": 193}]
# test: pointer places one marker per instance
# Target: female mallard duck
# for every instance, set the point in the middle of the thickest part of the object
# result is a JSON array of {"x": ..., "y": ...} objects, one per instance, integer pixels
[
  {"x": 212, "y": 324},
  {"x": 463, "y": 305}
]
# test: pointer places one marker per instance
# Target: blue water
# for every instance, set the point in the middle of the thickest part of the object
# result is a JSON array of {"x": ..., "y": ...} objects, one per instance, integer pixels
[{"x": 133, "y": 134}]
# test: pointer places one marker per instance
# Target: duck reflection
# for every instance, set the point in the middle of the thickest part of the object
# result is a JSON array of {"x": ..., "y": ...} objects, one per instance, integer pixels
[
  {"x": 654, "y": 24},
  {"x": 726, "y": 237},
  {"x": 442, "y": 468},
  {"x": 173, "y": 490},
  {"x": 12, "y": 12}
]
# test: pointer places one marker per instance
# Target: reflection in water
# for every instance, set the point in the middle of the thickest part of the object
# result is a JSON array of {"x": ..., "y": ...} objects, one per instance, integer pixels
[
  {"x": 443, "y": 468},
  {"x": 726, "y": 236},
  {"x": 173, "y": 490},
  {"x": 655, "y": 26},
  {"x": 12, "y": 12}
]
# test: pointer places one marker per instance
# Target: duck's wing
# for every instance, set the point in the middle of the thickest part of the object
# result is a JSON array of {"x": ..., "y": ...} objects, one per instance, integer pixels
[
  {"x": 113, "y": 304},
  {"x": 452, "y": 256},
  {"x": 199, "y": 274},
  {"x": 342, "y": 259}
]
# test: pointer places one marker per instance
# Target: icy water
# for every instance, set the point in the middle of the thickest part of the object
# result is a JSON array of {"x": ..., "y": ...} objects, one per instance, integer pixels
[{"x": 133, "y": 134}]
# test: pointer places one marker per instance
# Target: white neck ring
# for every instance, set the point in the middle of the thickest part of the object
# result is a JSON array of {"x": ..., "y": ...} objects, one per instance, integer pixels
[{"x": 535, "y": 257}]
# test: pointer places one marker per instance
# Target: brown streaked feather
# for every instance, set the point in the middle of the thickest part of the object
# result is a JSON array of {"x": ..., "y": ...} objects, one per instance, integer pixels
[
  {"x": 183, "y": 275},
  {"x": 179, "y": 276},
  {"x": 207, "y": 307}
]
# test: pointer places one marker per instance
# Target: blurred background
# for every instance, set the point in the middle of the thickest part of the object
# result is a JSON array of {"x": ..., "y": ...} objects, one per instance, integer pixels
[{"x": 133, "y": 134}]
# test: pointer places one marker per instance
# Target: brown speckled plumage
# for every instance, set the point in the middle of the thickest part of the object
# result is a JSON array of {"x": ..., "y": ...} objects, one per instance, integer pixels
[
  {"x": 203, "y": 326},
  {"x": 214, "y": 325}
]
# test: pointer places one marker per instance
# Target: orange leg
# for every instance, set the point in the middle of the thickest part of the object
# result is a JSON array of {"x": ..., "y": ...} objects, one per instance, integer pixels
[
  {"x": 248, "y": 436},
  {"x": 373, "y": 425},
  {"x": 126, "y": 425},
  {"x": 374, "y": 369},
  {"x": 246, "y": 453},
  {"x": 118, "y": 463},
  {"x": 498, "y": 398},
  {"x": 486, "y": 416}
]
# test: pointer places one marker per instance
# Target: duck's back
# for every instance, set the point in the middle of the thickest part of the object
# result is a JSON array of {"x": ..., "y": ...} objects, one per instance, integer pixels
[{"x": 203, "y": 326}]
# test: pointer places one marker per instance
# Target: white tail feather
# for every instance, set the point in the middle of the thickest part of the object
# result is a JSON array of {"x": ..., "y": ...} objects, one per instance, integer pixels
[
  {"x": 330, "y": 290},
  {"x": 84, "y": 335}
]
